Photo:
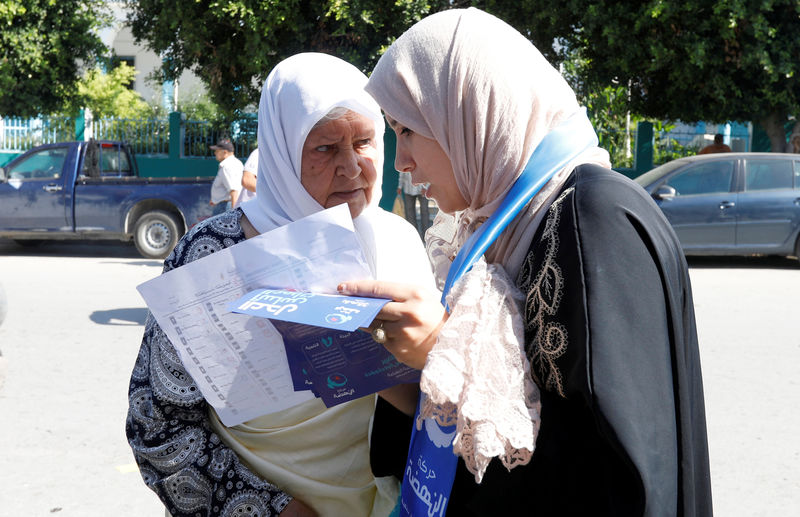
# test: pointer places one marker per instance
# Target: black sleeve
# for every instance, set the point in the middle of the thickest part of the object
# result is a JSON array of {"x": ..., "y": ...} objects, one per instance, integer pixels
[{"x": 391, "y": 436}]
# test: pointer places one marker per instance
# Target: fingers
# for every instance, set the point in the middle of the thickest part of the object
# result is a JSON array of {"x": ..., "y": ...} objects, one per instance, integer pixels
[{"x": 375, "y": 289}]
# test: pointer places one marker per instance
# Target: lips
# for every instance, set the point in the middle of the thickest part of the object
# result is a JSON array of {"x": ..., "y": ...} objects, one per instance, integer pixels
[{"x": 347, "y": 194}]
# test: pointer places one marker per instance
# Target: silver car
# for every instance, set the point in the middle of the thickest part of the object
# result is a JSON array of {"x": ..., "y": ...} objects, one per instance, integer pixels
[{"x": 731, "y": 203}]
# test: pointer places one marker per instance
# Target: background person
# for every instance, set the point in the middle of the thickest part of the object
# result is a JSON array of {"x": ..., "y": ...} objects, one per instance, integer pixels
[
  {"x": 793, "y": 145},
  {"x": 228, "y": 182},
  {"x": 249, "y": 178},
  {"x": 718, "y": 146},
  {"x": 324, "y": 134},
  {"x": 412, "y": 195},
  {"x": 576, "y": 334}
]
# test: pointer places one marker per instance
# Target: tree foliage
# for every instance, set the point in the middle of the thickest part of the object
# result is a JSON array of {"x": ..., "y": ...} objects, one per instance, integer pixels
[
  {"x": 691, "y": 60},
  {"x": 106, "y": 94},
  {"x": 42, "y": 46},
  {"x": 233, "y": 44}
]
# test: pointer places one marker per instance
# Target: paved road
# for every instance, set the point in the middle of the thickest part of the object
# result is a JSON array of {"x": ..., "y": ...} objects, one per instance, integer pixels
[
  {"x": 75, "y": 320},
  {"x": 70, "y": 339}
]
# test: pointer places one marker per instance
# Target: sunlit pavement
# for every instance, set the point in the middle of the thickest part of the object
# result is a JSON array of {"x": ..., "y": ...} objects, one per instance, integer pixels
[{"x": 75, "y": 321}]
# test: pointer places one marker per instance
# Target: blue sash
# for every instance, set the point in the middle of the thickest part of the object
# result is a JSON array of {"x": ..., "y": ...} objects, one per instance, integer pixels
[{"x": 431, "y": 464}]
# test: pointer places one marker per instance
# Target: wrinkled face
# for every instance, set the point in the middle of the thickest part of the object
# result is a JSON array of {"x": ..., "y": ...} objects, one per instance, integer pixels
[
  {"x": 338, "y": 162},
  {"x": 429, "y": 166}
]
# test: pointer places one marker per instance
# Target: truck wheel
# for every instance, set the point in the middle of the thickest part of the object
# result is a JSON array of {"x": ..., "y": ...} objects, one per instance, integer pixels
[{"x": 156, "y": 233}]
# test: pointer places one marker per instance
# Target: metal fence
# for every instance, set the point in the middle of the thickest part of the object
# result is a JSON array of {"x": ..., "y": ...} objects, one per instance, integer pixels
[
  {"x": 146, "y": 136},
  {"x": 667, "y": 145},
  {"x": 143, "y": 136},
  {"x": 152, "y": 137},
  {"x": 199, "y": 136},
  {"x": 17, "y": 134}
]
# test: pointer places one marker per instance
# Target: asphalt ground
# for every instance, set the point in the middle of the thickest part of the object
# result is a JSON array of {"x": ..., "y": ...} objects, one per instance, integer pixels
[{"x": 75, "y": 321}]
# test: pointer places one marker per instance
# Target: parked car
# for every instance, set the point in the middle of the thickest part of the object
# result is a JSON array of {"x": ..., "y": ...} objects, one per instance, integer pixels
[
  {"x": 92, "y": 190},
  {"x": 731, "y": 203}
]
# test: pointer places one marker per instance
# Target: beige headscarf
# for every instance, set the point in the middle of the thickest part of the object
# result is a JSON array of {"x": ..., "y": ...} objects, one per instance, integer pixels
[{"x": 481, "y": 90}]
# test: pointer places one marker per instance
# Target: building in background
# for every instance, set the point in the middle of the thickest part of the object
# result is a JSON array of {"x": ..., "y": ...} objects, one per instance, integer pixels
[{"x": 120, "y": 41}]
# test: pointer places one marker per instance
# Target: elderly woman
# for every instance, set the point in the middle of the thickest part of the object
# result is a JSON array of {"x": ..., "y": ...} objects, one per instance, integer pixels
[
  {"x": 320, "y": 144},
  {"x": 568, "y": 353}
]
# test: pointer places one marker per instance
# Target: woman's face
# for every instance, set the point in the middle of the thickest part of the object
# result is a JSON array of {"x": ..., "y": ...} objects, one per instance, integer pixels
[
  {"x": 338, "y": 162},
  {"x": 429, "y": 166}
]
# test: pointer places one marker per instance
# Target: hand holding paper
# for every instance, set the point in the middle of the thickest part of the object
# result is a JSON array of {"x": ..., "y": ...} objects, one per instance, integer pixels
[
  {"x": 238, "y": 361},
  {"x": 411, "y": 321}
]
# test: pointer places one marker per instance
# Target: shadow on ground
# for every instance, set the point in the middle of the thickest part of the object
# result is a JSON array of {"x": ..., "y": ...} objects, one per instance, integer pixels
[
  {"x": 128, "y": 316},
  {"x": 92, "y": 248},
  {"x": 754, "y": 262}
]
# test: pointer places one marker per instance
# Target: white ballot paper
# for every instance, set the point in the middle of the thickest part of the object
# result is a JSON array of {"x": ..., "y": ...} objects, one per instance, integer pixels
[{"x": 238, "y": 361}]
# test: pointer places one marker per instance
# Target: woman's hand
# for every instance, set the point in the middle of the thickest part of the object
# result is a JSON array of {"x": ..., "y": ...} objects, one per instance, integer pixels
[
  {"x": 296, "y": 508},
  {"x": 411, "y": 321}
]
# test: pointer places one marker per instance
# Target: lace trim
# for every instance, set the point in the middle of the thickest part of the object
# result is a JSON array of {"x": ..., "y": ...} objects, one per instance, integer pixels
[
  {"x": 545, "y": 291},
  {"x": 477, "y": 375}
]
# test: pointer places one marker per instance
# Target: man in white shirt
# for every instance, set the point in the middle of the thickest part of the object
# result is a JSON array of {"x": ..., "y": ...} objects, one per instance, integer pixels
[
  {"x": 228, "y": 183},
  {"x": 249, "y": 178},
  {"x": 411, "y": 195}
]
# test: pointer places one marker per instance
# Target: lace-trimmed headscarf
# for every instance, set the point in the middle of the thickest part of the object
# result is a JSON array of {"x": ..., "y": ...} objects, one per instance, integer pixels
[{"x": 488, "y": 97}]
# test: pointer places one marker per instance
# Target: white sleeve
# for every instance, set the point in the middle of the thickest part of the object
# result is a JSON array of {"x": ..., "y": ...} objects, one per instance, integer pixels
[
  {"x": 251, "y": 165},
  {"x": 403, "y": 181},
  {"x": 403, "y": 257},
  {"x": 232, "y": 174}
]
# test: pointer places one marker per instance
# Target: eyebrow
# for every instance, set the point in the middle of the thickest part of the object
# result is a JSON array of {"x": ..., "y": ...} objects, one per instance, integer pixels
[{"x": 389, "y": 120}]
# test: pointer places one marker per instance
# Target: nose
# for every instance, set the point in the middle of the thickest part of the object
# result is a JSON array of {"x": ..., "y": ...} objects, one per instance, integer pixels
[
  {"x": 402, "y": 160},
  {"x": 348, "y": 165}
]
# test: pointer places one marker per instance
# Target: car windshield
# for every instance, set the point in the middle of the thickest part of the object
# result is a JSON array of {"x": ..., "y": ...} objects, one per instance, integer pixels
[{"x": 649, "y": 177}]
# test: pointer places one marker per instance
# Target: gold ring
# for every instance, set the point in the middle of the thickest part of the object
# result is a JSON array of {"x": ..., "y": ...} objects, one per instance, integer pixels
[{"x": 379, "y": 335}]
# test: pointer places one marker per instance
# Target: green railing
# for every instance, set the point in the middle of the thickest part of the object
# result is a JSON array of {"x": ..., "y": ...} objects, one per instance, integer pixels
[
  {"x": 666, "y": 145},
  {"x": 17, "y": 134},
  {"x": 143, "y": 136},
  {"x": 146, "y": 136},
  {"x": 200, "y": 135},
  {"x": 163, "y": 146}
]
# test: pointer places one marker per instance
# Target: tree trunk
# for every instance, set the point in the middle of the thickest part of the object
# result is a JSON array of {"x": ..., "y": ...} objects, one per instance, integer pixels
[{"x": 773, "y": 125}]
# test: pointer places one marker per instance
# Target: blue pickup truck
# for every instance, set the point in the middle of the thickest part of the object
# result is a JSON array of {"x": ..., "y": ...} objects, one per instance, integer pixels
[{"x": 92, "y": 190}]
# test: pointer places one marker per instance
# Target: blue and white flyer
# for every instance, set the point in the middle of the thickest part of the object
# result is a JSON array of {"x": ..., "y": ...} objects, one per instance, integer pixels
[{"x": 332, "y": 311}]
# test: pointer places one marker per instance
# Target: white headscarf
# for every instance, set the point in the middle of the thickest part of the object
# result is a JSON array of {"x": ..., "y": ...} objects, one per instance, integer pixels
[
  {"x": 488, "y": 97},
  {"x": 298, "y": 92}
]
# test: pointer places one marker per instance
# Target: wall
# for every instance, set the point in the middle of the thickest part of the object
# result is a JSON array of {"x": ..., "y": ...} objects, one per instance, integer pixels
[
  {"x": 120, "y": 40},
  {"x": 162, "y": 166}
]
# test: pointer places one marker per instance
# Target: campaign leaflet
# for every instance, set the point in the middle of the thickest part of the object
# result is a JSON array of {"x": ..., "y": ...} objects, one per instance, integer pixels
[
  {"x": 332, "y": 311},
  {"x": 340, "y": 366},
  {"x": 325, "y": 351}
]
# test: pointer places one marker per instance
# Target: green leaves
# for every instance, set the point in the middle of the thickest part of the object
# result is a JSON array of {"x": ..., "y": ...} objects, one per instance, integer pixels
[
  {"x": 42, "y": 43},
  {"x": 108, "y": 95},
  {"x": 233, "y": 44}
]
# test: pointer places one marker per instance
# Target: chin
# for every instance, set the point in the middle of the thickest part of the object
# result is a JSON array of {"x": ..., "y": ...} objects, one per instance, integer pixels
[
  {"x": 356, "y": 207},
  {"x": 355, "y": 211}
]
